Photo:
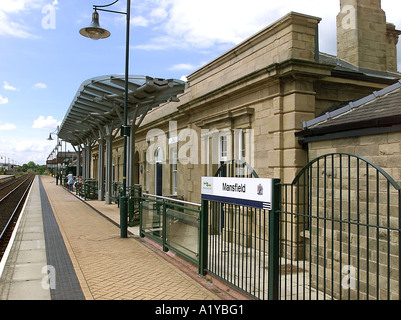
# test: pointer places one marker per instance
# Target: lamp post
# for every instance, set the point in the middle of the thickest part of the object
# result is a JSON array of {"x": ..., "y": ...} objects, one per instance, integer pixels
[
  {"x": 50, "y": 138},
  {"x": 95, "y": 32}
]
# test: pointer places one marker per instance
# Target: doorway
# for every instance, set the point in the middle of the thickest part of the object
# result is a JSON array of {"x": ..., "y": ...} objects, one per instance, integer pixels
[{"x": 159, "y": 172}]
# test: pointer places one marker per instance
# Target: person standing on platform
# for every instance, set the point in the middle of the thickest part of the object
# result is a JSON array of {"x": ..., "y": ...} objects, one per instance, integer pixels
[{"x": 70, "y": 181}]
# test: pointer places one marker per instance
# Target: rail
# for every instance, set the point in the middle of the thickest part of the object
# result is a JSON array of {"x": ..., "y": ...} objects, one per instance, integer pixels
[
  {"x": 17, "y": 207},
  {"x": 173, "y": 200}
]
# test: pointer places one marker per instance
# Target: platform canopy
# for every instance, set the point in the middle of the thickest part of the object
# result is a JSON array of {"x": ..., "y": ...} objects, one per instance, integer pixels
[{"x": 100, "y": 101}]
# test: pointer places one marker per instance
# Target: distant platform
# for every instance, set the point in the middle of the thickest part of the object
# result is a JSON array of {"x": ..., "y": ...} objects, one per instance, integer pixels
[{"x": 4, "y": 178}]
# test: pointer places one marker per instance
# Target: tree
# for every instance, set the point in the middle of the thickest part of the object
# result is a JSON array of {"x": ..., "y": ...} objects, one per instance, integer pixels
[{"x": 36, "y": 168}]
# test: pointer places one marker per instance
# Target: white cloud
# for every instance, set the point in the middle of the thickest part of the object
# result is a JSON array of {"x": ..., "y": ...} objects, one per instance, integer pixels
[
  {"x": 210, "y": 24},
  {"x": 183, "y": 66},
  {"x": 149, "y": 15},
  {"x": 7, "y": 86},
  {"x": 16, "y": 6},
  {"x": 45, "y": 123},
  {"x": 193, "y": 24},
  {"x": 11, "y": 23},
  {"x": 139, "y": 21},
  {"x": 229, "y": 21},
  {"x": 11, "y": 28},
  {"x": 25, "y": 150},
  {"x": 3, "y": 100},
  {"x": 40, "y": 85},
  {"x": 30, "y": 145},
  {"x": 7, "y": 127}
]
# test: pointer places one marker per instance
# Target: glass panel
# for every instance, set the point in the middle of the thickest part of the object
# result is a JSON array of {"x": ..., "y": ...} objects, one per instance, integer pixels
[
  {"x": 152, "y": 213},
  {"x": 182, "y": 231}
]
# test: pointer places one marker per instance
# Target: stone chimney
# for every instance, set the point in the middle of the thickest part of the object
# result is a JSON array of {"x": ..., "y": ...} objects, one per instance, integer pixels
[{"x": 364, "y": 38}]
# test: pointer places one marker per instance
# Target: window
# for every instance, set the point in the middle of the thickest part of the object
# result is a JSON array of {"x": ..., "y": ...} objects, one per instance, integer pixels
[
  {"x": 223, "y": 148},
  {"x": 241, "y": 153},
  {"x": 174, "y": 170},
  {"x": 159, "y": 171},
  {"x": 146, "y": 173},
  {"x": 242, "y": 147},
  {"x": 158, "y": 155}
]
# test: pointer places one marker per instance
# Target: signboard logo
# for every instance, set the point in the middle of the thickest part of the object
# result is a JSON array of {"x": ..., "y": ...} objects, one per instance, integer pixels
[
  {"x": 206, "y": 185},
  {"x": 260, "y": 190}
]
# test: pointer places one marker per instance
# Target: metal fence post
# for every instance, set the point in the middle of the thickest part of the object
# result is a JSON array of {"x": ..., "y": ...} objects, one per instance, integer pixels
[
  {"x": 164, "y": 226},
  {"x": 203, "y": 237},
  {"x": 141, "y": 218},
  {"x": 123, "y": 218},
  {"x": 274, "y": 242}
]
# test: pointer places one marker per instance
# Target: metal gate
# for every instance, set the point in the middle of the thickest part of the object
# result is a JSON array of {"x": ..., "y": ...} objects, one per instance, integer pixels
[
  {"x": 340, "y": 231},
  {"x": 333, "y": 233}
]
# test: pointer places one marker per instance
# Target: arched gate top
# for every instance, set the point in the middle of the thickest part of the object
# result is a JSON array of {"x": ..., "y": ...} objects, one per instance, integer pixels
[{"x": 349, "y": 156}]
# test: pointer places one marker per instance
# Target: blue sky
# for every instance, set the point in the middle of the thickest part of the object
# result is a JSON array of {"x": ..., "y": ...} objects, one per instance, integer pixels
[{"x": 43, "y": 59}]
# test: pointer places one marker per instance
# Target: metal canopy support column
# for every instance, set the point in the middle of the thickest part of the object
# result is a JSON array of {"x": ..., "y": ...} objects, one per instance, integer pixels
[
  {"x": 129, "y": 161},
  {"x": 131, "y": 157},
  {"x": 77, "y": 149},
  {"x": 88, "y": 153},
  {"x": 134, "y": 127},
  {"x": 100, "y": 169},
  {"x": 109, "y": 164},
  {"x": 84, "y": 154}
]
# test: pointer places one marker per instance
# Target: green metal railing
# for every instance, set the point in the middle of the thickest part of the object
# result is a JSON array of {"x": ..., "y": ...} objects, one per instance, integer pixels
[
  {"x": 340, "y": 232},
  {"x": 116, "y": 189},
  {"x": 134, "y": 194},
  {"x": 173, "y": 223},
  {"x": 235, "y": 242},
  {"x": 333, "y": 233},
  {"x": 88, "y": 189},
  {"x": 240, "y": 246}
]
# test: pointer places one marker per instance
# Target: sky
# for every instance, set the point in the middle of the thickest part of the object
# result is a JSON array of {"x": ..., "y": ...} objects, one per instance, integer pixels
[{"x": 44, "y": 59}]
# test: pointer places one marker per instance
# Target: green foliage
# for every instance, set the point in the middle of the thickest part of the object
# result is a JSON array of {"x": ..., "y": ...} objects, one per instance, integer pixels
[{"x": 31, "y": 166}]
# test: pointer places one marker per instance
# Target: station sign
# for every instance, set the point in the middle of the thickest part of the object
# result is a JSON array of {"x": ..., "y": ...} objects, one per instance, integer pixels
[{"x": 251, "y": 192}]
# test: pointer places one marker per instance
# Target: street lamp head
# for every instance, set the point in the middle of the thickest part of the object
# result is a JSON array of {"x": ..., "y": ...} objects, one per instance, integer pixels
[
  {"x": 94, "y": 31},
  {"x": 50, "y": 137}
]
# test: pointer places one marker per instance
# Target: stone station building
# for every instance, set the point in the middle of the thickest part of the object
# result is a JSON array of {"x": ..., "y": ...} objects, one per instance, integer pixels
[
  {"x": 249, "y": 103},
  {"x": 274, "y": 101}
]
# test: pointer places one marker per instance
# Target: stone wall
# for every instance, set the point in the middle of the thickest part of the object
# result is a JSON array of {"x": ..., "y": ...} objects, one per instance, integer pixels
[
  {"x": 384, "y": 150},
  {"x": 362, "y": 34}
]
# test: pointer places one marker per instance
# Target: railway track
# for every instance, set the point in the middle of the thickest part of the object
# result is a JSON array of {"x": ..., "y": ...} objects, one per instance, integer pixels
[{"x": 12, "y": 198}]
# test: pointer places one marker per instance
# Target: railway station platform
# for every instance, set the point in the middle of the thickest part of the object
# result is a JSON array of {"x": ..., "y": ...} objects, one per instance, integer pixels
[{"x": 64, "y": 248}]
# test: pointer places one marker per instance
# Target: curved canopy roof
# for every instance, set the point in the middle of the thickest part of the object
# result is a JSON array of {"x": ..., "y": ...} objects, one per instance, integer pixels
[{"x": 100, "y": 101}]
